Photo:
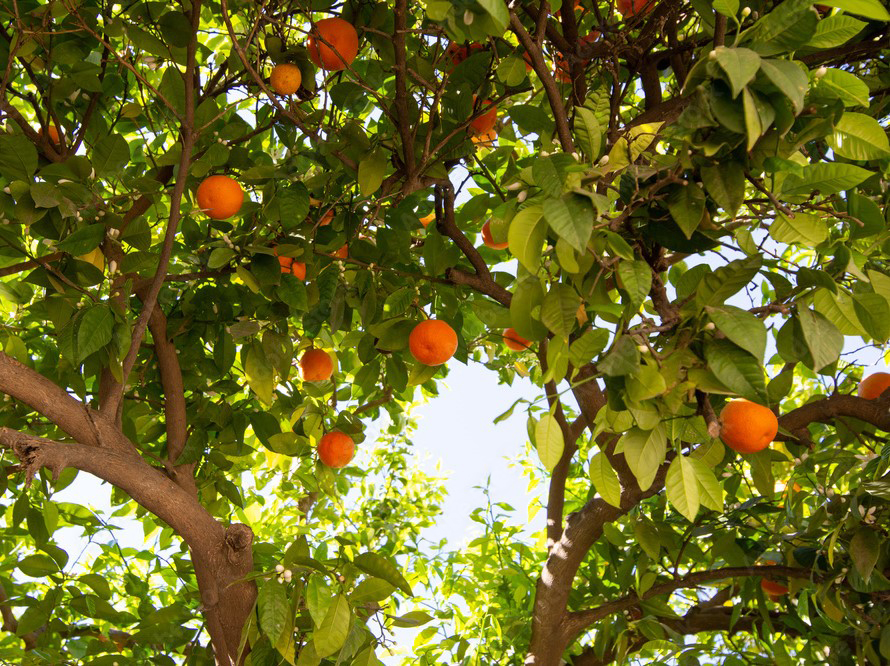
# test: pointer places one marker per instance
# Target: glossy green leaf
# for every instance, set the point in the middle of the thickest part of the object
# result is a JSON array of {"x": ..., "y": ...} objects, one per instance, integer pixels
[
  {"x": 331, "y": 634},
  {"x": 803, "y": 228},
  {"x": 725, "y": 182},
  {"x": 872, "y": 9},
  {"x": 824, "y": 178},
  {"x": 683, "y": 487},
  {"x": 382, "y": 567},
  {"x": 859, "y": 137},
  {"x": 741, "y": 327},
  {"x": 823, "y": 339},
  {"x": 549, "y": 441},
  {"x": 571, "y": 218},
  {"x": 526, "y": 237},
  {"x": 835, "y": 30},
  {"x": 644, "y": 451},
  {"x": 740, "y": 66},
  {"x": 588, "y": 133},
  {"x": 273, "y": 608},
  {"x": 865, "y": 548},
  {"x": 737, "y": 369},
  {"x": 605, "y": 479}
]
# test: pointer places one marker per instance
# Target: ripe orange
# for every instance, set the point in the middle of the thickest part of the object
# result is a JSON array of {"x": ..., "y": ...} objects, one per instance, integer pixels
[
  {"x": 54, "y": 135},
  {"x": 773, "y": 589},
  {"x": 298, "y": 268},
  {"x": 220, "y": 197},
  {"x": 285, "y": 78},
  {"x": 287, "y": 264},
  {"x": 336, "y": 449},
  {"x": 326, "y": 218},
  {"x": 630, "y": 8},
  {"x": 457, "y": 53},
  {"x": 488, "y": 239},
  {"x": 485, "y": 140},
  {"x": 342, "y": 252},
  {"x": 485, "y": 123},
  {"x": 874, "y": 385},
  {"x": 341, "y": 47},
  {"x": 747, "y": 427},
  {"x": 316, "y": 365},
  {"x": 426, "y": 219},
  {"x": 515, "y": 341},
  {"x": 432, "y": 342}
]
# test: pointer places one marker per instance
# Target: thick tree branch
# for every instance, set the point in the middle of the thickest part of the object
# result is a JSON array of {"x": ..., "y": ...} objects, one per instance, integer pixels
[
  {"x": 876, "y": 412},
  {"x": 85, "y": 425},
  {"x": 547, "y": 80},
  {"x": 578, "y": 621}
]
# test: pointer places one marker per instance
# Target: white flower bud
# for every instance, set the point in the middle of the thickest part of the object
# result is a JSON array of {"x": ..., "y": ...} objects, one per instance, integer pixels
[
  {"x": 468, "y": 17},
  {"x": 544, "y": 153},
  {"x": 279, "y": 568},
  {"x": 112, "y": 267},
  {"x": 712, "y": 55},
  {"x": 6, "y": 189},
  {"x": 604, "y": 160},
  {"x": 62, "y": 181},
  {"x": 861, "y": 510},
  {"x": 576, "y": 156},
  {"x": 512, "y": 187},
  {"x": 522, "y": 196},
  {"x": 746, "y": 12},
  {"x": 710, "y": 326},
  {"x": 822, "y": 71}
]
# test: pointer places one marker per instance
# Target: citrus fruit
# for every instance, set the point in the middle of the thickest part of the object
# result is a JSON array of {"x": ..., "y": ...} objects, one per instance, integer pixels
[
  {"x": 426, "y": 219},
  {"x": 333, "y": 44},
  {"x": 342, "y": 252},
  {"x": 336, "y": 449},
  {"x": 515, "y": 341},
  {"x": 631, "y": 8},
  {"x": 316, "y": 365},
  {"x": 874, "y": 385},
  {"x": 457, "y": 53},
  {"x": 488, "y": 239},
  {"x": 298, "y": 269},
  {"x": 772, "y": 588},
  {"x": 285, "y": 78},
  {"x": 485, "y": 123},
  {"x": 220, "y": 197},
  {"x": 747, "y": 427},
  {"x": 432, "y": 342}
]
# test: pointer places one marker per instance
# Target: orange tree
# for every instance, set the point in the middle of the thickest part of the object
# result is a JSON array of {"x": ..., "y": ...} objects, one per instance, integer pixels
[{"x": 693, "y": 200}]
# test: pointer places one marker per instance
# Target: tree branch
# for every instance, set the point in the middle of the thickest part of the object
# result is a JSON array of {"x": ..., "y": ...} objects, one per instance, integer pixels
[
  {"x": 401, "y": 99},
  {"x": 547, "y": 80}
]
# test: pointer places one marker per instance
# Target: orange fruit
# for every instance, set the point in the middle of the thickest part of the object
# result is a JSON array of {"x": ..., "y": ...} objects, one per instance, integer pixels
[
  {"x": 341, "y": 47},
  {"x": 220, "y": 197},
  {"x": 488, "y": 239},
  {"x": 577, "y": 4},
  {"x": 426, "y": 219},
  {"x": 287, "y": 264},
  {"x": 342, "y": 253},
  {"x": 630, "y": 8},
  {"x": 457, "y": 53},
  {"x": 336, "y": 449},
  {"x": 432, "y": 342},
  {"x": 298, "y": 268},
  {"x": 485, "y": 123},
  {"x": 52, "y": 131},
  {"x": 485, "y": 140},
  {"x": 874, "y": 385},
  {"x": 515, "y": 341},
  {"x": 772, "y": 588},
  {"x": 326, "y": 218},
  {"x": 747, "y": 427},
  {"x": 563, "y": 72},
  {"x": 285, "y": 78},
  {"x": 316, "y": 365}
]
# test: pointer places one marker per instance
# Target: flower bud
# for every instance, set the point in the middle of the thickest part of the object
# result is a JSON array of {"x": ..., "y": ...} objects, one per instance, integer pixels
[{"x": 522, "y": 196}]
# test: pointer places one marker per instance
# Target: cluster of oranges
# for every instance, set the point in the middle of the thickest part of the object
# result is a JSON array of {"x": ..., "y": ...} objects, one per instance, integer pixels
[{"x": 333, "y": 45}]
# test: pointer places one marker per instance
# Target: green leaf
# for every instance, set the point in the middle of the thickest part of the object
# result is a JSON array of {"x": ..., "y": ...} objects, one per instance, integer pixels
[
  {"x": 219, "y": 257},
  {"x": 717, "y": 286},
  {"x": 803, "y": 229},
  {"x": 825, "y": 178},
  {"x": 382, "y": 567},
  {"x": 93, "y": 332},
  {"x": 549, "y": 173},
  {"x": 873, "y": 312},
  {"x": 729, "y": 8},
  {"x": 605, "y": 479},
  {"x": 110, "y": 155},
  {"x": 868, "y": 213},
  {"x": 725, "y": 182},
  {"x": 83, "y": 240},
  {"x": 412, "y": 619},
  {"x": 630, "y": 146},
  {"x": 646, "y": 383},
  {"x": 334, "y": 628},
  {"x": 786, "y": 26},
  {"x": 588, "y": 133},
  {"x": 737, "y": 369},
  {"x": 38, "y": 566},
  {"x": 571, "y": 218},
  {"x": 838, "y": 309},
  {"x": 259, "y": 373},
  {"x": 682, "y": 487},
  {"x": 526, "y": 237},
  {"x": 687, "y": 206},
  {"x": 587, "y": 346},
  {"x": 512, "y": 71},
  {"x": 788, "y": 77},
  {"x": 710, "y": 493},
  {"x": 865, "y": 548},
  {"x": 636, "y": 280},
  {"x": 859, "y": 137},
  {"x": 497, "y": 9},
  {"x": 273, "y": 609},
  {"x": 847, "y": 87},
  {"x": 371, "y": 172},
  {"x": 371, "y": 589},
  {"x": 622, "y": 359},
  {"x": 872, "y": 9},
  {"x": 835, "y": 30},
  {"x": 758, "y": 116},
  {"x": 549, "y": 441},
  {"x": 559, "y": 309},
  {"x": 644, "y": 451},
  {"x": 741, "y": 327},
  {"x": 18, "y": 157},
  {"x": 740, "y": 66},
  {"x": 762, "y": 471},
  {"x": 823, "y": 339}
]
